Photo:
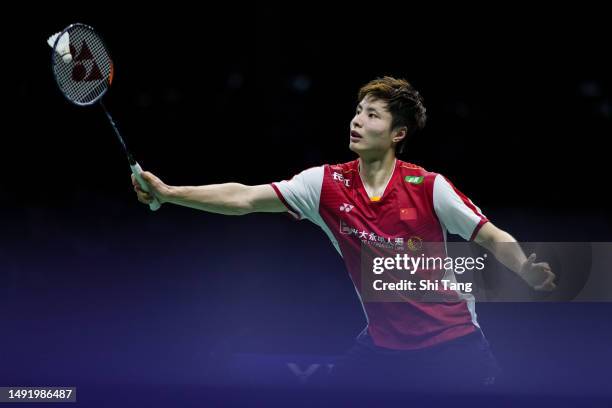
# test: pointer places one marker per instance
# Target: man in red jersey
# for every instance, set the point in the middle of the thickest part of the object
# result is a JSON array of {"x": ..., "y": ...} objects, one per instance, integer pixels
[{"x": 380, "y": 200}]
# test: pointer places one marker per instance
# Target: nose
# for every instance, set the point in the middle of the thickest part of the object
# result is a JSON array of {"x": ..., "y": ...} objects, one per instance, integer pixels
[{"x": 356, "y": 122}]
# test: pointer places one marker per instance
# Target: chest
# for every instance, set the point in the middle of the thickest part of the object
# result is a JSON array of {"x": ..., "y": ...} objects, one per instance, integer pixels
[{"x": 404, "y": 210}]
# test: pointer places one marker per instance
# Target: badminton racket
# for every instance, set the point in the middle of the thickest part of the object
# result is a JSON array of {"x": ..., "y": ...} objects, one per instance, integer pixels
[{"x": 83, "y": 70}]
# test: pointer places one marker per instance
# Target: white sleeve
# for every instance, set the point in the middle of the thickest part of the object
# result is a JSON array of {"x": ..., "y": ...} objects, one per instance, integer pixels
[
  {"x": 302, "y": 194},
  {"x": 455, "y": 211}
]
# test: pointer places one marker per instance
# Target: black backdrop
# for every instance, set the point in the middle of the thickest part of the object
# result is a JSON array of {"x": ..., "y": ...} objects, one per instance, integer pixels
[{"x": 519, "y": 117}]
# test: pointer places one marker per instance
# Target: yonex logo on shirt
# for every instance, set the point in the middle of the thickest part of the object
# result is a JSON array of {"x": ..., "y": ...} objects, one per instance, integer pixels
[
  {"x": 414, "y": 179},
  {"x": 346, "y": 207}
]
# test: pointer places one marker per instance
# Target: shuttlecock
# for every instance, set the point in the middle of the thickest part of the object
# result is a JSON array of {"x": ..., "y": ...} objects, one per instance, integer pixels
[{"x": 63, "y": 46}]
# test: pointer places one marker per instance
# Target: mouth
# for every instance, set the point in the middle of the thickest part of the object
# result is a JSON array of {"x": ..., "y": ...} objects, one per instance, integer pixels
[{"x": 355, "y": 137}]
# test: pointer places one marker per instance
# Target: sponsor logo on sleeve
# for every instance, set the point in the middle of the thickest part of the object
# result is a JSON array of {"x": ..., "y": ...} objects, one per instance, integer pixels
[{"x": 414, "y": 179}]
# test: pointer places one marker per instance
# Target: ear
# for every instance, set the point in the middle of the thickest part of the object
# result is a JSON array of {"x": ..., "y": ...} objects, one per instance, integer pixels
[{"x": 399, "y": 134}]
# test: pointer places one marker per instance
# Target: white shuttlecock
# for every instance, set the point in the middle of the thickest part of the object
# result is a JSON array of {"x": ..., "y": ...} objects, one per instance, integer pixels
[{"x": 63, "y": 46}]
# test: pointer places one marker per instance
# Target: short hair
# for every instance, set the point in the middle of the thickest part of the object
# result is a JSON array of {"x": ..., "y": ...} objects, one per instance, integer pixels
[{"x": 403, "y": 102}]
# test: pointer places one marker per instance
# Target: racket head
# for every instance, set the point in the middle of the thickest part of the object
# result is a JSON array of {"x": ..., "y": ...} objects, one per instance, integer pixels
[{"x": 85, "y": 79}]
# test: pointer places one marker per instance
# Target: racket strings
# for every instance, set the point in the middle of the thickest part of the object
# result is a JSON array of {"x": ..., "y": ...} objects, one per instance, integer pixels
[{"x": 86, "y": 78}]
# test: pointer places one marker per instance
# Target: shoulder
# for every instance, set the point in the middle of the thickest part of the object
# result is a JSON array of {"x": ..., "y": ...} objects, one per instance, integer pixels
[
  {"x": 312, "y": 176},
  {"x": 344, "y": 168},
  {"x": 415, "y": 174},
  {"x": 344, "y": 172}
]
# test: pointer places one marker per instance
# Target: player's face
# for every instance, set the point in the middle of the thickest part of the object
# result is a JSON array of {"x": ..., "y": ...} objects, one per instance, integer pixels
[{"x": 370, "y": 131}]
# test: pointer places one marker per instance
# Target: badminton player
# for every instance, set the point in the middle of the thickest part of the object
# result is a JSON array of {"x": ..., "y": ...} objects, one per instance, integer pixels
[{"x": 374, "y": 197}]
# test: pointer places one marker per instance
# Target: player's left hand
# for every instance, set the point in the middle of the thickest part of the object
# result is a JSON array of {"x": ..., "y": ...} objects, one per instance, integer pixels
[{"x": 538, "y": 275}]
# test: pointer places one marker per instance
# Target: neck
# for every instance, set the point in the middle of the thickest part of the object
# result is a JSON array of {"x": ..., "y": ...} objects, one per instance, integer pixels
[{"x": 375, "y": 172}]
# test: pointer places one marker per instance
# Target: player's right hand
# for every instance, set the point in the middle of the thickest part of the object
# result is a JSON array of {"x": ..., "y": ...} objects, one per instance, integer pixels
[{"x": 157, "y": 188}]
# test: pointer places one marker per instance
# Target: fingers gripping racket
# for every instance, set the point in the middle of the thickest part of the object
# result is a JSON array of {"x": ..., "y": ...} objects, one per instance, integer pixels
[{"x": 83, "y": 70}]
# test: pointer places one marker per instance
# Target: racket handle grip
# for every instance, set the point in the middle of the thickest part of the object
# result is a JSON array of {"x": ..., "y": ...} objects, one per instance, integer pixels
[{"x": 136, "y": 171}]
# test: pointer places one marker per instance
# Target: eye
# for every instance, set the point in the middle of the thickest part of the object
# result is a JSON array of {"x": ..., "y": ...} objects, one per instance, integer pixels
[{"x": 373, "y": 115}]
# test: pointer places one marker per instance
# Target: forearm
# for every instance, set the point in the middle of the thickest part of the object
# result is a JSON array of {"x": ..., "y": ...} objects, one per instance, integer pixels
[
  {"x": 504, "y": 247},
  {"x": 509, "y": 254},
  {"x": 227, "y": 198},
  {"x": 507, "y": 251}
]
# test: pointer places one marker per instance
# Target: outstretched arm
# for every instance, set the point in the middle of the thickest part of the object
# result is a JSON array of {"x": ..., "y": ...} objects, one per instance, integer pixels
[
  {"x": 507, "y": 251},
  {"x": 227, "y": 198}
]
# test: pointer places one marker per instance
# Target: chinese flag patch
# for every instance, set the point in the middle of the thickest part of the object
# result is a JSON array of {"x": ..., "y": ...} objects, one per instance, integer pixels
[{"x": 408, "y": 214}]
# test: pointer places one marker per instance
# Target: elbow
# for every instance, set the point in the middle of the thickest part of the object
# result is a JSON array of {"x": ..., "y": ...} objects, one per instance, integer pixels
[
  {"x": 236, "y": 208},
  {"x": 242, "y": 202},
  {"x": 492, "y": 238},
  {"x": 241, "y": 210},
  {"x": 489, "y": 235},
  {"x": 485, "y": 241}
]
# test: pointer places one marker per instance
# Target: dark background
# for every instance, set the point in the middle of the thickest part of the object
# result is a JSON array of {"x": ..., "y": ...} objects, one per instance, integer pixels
[{"x": 96, "y": 289}]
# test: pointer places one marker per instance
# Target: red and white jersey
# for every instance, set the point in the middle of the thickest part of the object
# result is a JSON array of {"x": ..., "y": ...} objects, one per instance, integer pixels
[{"x": 415, "y": 204}]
